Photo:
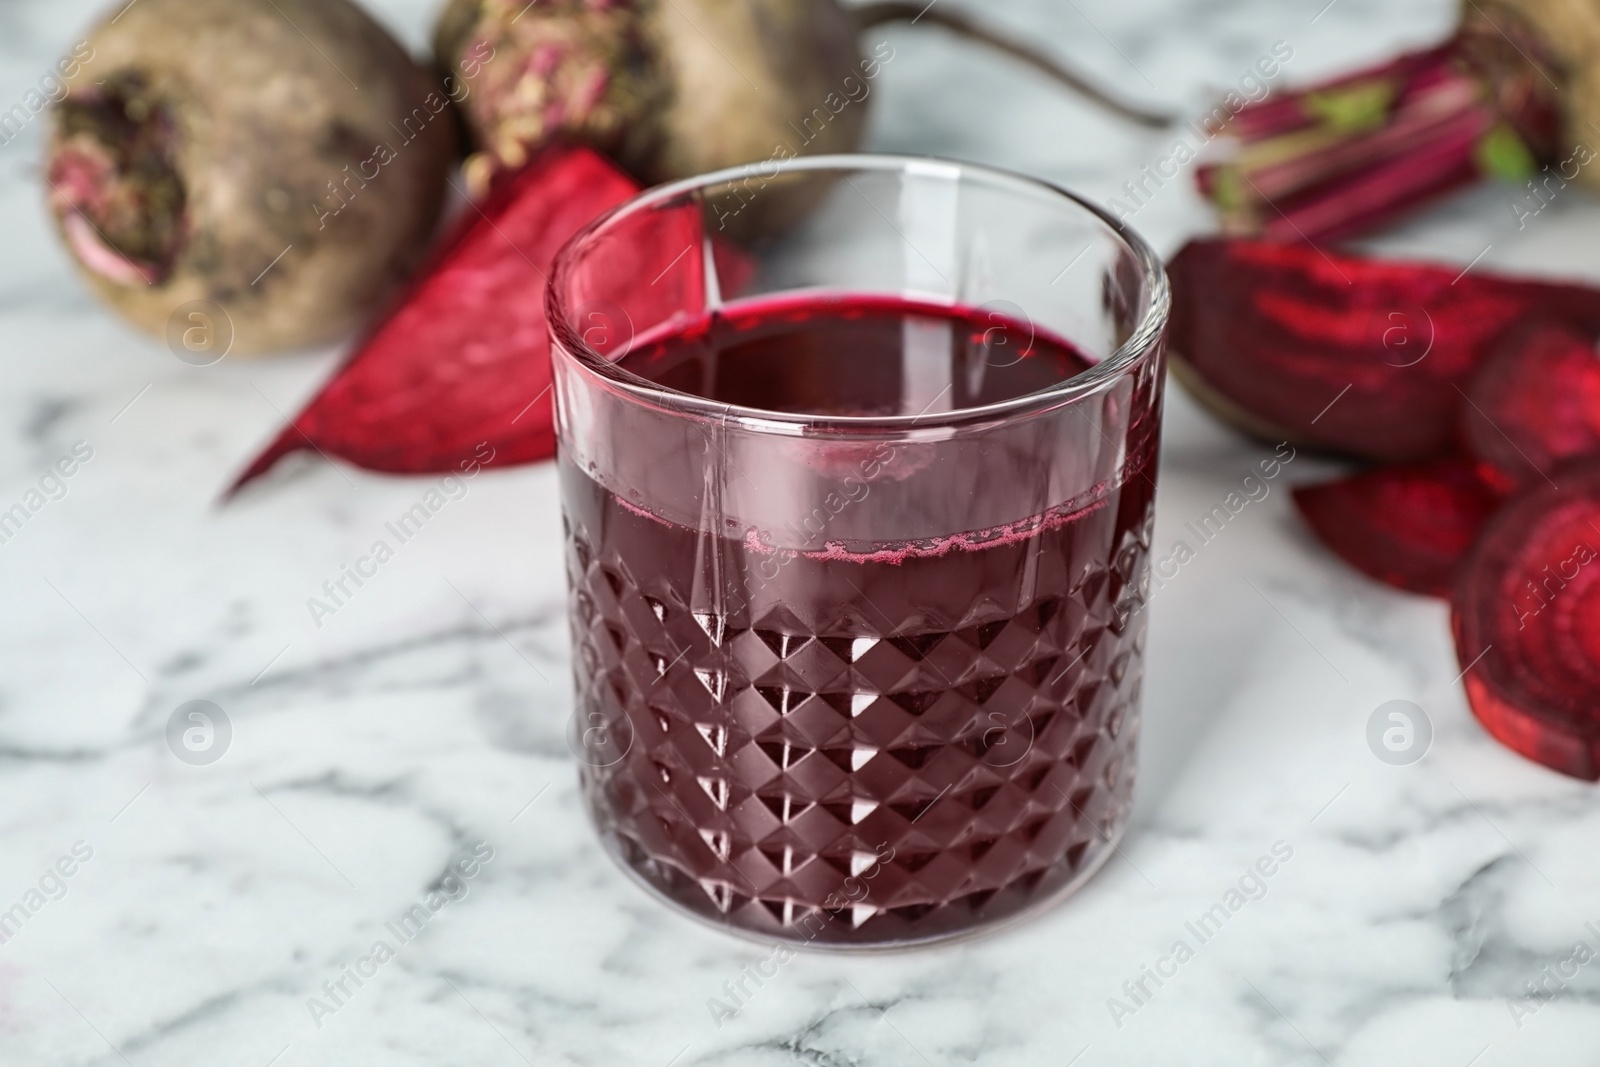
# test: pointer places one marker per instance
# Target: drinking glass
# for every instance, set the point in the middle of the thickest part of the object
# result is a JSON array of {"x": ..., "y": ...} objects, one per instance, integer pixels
[{"x": 857, "y": 613}]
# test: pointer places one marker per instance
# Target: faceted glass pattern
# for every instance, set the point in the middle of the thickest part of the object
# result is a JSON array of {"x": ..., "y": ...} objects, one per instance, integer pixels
[{"x": 850, "y": 788}]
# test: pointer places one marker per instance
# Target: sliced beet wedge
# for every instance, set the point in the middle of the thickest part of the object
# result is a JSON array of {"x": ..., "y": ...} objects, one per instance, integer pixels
[
  {"x": 464, "y": 359},
  {"x": 1527, "y": 623},
  {"x": 1408, "y": 526},
  {"x": 1359, "y": 356},
  {"x": 1535, "y": 403}
]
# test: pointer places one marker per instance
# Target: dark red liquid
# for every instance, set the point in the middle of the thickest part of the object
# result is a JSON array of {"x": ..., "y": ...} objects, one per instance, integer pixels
[{"x": 880, "y": 742}]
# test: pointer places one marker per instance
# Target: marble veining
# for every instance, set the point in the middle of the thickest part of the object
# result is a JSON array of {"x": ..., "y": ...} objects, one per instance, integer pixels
[{"x": 1430, "y": 914}]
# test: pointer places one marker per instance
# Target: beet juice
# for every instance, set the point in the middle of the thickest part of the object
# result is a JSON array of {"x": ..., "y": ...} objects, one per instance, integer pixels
[
  {"x": 857, "y": 460},
  {"x": 807, "y": 731}
]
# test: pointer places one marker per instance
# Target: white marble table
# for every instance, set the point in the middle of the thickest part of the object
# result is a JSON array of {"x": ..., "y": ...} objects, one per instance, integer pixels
[{"x": 370, "y": 755}]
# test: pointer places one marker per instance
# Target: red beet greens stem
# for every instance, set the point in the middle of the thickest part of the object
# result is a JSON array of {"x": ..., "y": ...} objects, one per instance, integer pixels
[{"x": 1347, "y": 156}]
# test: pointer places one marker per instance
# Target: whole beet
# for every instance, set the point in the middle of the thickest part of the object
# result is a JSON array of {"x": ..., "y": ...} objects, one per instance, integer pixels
[
  {"x": 285, "y": 159},
  {"x": 668, "y": 88}
]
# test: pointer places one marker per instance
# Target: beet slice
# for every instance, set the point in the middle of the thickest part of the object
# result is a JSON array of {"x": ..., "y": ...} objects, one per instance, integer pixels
[
  {"x": 1527, "y": 623},
  {"x": 464, "y": 359},
  {"x": 1408, "y": 526},
  {"x": 1535, "y": 403},
  {"x": 1337, "y": 352}
]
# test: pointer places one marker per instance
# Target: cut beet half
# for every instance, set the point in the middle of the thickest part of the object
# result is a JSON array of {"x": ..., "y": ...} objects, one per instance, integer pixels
[
  {"x": 1527, "y": 624},
  {"x": 1407, "y": 526},
  {"x": 459, "y": 373},
  {"x": 463, "y": 361},
  {"x": 1358, "y": 356},
  {"x": 1535, "y": 403}
]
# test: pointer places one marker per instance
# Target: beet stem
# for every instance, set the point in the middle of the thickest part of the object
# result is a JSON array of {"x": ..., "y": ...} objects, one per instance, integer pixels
[
  {"x": 1343, "y": 158},
  {"x": 875, "y": 14}
]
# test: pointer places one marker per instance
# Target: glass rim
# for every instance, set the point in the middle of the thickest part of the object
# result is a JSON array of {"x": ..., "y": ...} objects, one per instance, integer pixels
[{"x": 1141, "y": 342}]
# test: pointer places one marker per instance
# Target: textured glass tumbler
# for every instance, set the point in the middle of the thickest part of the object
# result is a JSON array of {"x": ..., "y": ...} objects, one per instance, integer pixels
[{"x": 859, "y": 679}]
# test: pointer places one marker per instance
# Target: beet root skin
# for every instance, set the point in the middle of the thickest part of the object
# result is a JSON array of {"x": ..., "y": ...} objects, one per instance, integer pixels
[
  {"x": 1356, "y": 356},
  {"x": 1526, "y": 618},
  {"x": 591, "y": 73},
  {"x": 668, "y": 88},
  {"x": 1407, "y": 526},
  {"x": 293, "y": 185}
]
